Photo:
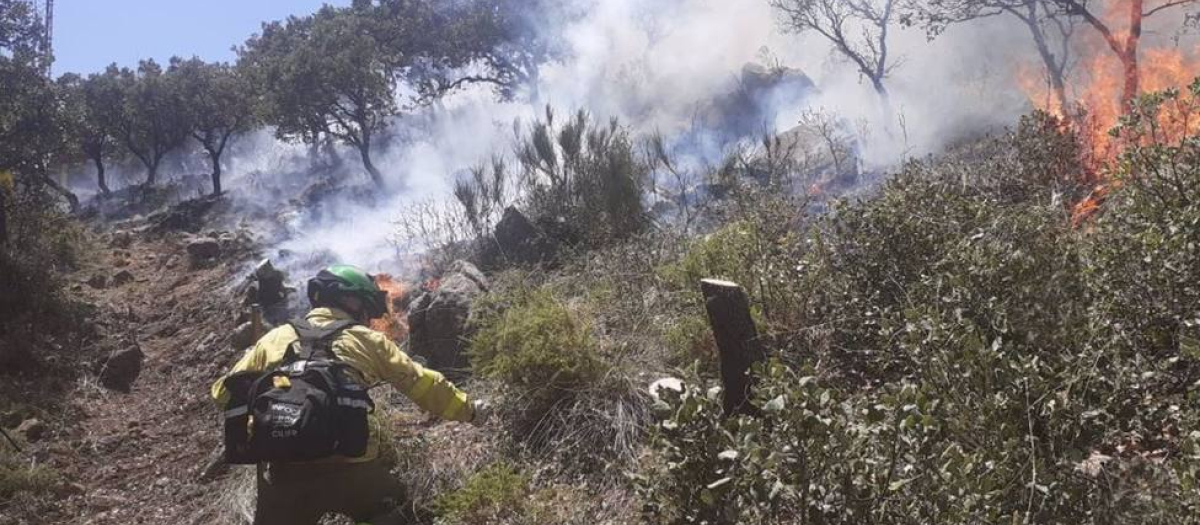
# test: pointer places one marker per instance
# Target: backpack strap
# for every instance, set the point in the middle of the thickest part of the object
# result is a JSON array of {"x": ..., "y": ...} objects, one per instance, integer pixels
[{"x": 314, "y": 339}]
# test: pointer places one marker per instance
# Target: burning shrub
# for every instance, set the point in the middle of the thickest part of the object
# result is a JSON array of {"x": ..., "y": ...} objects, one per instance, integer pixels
[
  {"x": 1049, "y": 157},
  {"x": 963, "y": 355},
  {"x": 1146, "y": 254}
]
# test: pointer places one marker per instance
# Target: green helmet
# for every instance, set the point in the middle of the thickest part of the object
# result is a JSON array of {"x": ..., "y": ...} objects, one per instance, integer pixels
[{"x": 341, "y": 280}]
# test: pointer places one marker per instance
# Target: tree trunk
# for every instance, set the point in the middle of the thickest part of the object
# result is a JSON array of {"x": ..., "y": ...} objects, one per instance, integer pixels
[
  {"x": 1129, "y": 58},
  {"x": 1054, "y": 71},
  {"x": 1129, "y": 62},
  {"x": 152, "y": 173},
  {"x": 365, "y": 150},
  {"x": 215, "y": 157},
  {"x": 1059, "y": 86},
  {"x": 885, "y": 106},
  {"x": 72, "y": 199},
  {"x": 100, "y": 178},
  {"x": 738, "y": 346}
]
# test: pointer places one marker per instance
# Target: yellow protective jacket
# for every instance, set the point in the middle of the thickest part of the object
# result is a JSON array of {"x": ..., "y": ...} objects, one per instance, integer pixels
[{"x": 371, "y": 353}]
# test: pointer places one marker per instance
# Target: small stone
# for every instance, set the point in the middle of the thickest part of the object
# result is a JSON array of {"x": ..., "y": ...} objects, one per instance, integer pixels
[
  {"x": 109, "y": 444},
  {"x": 122, "y": 369},
  {"x": 203, "y": 249},
  {"x": 122, "y": 278},
  {"x": 69, "y": 489},
  {"x": 121, "y": 239},
  {"x": 98, "y": 281},
  {"x": 33, "y": 430},
  {"x": 244, "y": 336},
  {"x": 214, "y": 465}
]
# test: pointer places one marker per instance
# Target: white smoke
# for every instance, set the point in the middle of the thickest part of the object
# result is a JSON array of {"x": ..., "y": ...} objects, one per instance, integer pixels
[{"x": 656, "y": 66}]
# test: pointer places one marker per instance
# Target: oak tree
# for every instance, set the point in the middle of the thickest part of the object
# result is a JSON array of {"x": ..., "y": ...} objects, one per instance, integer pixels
[{"x": 218, "y": 106}]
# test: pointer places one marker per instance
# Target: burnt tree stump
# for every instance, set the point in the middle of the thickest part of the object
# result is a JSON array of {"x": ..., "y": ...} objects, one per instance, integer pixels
[{"x": 738, "y": 346}]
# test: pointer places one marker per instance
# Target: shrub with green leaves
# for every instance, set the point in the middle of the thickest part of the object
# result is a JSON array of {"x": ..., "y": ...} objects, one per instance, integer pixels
[
  {"x": 967, "y": 355},
  {"x": 565, "y": 396},
  {"x": 727, "y": 254},
  {"x": 20, "y": 478},
  {"x": 537, "y": 343},
  {"x": 494, "y": 494},
  {"x": 1145, "y": 262},
  {"x": 43, "y": 244}
]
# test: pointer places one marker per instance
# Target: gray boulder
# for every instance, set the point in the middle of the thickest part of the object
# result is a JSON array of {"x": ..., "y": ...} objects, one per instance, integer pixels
[
  {"x": 203, "y": 249},
  {"x": 122, "y": 369},
  {"x": 121, "y": 239},
  {"x": 518, "y": 240},
  {"x": 98, "y": 281},
  {"x": 438, "y": 319},
  {"x": 122, "y": 278}
]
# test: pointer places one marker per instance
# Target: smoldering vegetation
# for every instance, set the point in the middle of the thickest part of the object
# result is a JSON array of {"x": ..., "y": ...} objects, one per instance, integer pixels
[{"x": 966, "y": 231}]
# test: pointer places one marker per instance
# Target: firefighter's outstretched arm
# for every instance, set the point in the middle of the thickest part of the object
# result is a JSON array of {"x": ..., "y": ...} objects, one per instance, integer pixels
[{"x": 428, "y": 388}]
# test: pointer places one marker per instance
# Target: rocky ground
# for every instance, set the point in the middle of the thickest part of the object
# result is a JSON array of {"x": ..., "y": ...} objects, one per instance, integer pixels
[
  {"x": 125, "y": 420},
  {"x": 131, "y": 435}
]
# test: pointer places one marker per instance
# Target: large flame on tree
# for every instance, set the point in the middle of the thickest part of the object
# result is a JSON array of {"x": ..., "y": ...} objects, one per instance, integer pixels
[
  {"x": 395, "y": 322},
  {"x": 1096, "y": 90}
]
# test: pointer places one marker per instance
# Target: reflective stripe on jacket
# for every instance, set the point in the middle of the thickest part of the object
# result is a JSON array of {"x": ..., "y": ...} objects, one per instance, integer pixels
[{"x": 371, "y": 353}]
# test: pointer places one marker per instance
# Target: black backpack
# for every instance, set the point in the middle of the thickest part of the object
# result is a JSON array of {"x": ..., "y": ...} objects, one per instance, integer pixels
[{"x": 309, "y": 407}]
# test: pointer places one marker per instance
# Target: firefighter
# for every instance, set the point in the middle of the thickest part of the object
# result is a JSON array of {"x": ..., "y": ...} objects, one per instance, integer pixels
[{"x": 295, "y": 493}]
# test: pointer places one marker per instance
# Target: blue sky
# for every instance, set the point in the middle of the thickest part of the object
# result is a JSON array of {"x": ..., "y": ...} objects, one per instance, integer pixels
[{"x": 90, "y": 34}]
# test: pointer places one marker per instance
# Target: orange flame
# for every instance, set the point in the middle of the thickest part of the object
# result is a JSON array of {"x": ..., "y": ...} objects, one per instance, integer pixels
[
  {"x": 1096, "y": 91},
  {"x": 395, "y": 322}
]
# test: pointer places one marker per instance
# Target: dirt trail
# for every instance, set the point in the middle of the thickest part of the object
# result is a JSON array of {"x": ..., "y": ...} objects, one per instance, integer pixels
[{"x": 140, "y": 455}]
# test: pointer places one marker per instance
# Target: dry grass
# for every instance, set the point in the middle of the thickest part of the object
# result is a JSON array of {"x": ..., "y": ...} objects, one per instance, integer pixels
[{"x": 235, "y": 497}]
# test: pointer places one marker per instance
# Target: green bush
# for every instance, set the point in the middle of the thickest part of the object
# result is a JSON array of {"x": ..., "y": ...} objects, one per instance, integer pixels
[
  {"x": 43, "y": 244},
  {"x": 538, "y": 344},
  {"x": 1145, "y": 263},
  {"x": 566, "y": 398},
  {"x": 967, "y": 356},
  {"x": 492, "y": 495},
  {"x": 690, "y": 341},
  {"x": 583, "y": 179},
  {"x": 19, "y": 477},
  {"x": 727, "y": 254}
]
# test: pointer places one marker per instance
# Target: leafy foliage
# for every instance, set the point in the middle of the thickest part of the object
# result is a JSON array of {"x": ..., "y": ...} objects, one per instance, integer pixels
[
  {"x": 585, "y": 177},
  {"x": 17, "y": 478},
  {"x": 325, "y": 74},
  {"x": 491, "y": 495},
  {"x": 91, "y": 107},
  {"x": 42, "y": 244},
  {"x": 218, "y": 102},
  {"x": 959, "y": 353},
  {"x": 537, "y": 344},
  {"x": 152, "y": 121},
  {"x": 565, "y": 394}
]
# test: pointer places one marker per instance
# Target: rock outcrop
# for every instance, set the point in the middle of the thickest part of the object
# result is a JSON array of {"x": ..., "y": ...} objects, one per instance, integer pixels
[
  {"x": 202, "y": 250},
  {"x": 438, "y": 319},
  {"x": 517, "y": 240},
  {"x": 122, "y": 369}
]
